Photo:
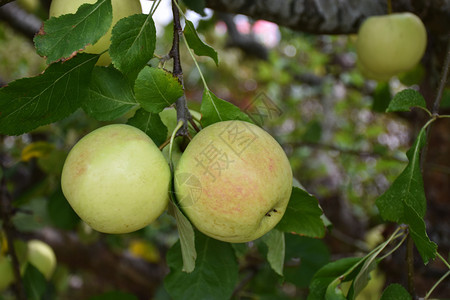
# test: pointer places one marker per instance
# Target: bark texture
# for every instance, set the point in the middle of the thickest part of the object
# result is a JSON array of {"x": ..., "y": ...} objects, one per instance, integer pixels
[{"x": 333, "y": 16}]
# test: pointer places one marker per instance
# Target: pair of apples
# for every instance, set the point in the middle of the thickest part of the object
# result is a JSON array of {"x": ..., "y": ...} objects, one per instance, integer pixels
[{"x": 233, "y": 181}]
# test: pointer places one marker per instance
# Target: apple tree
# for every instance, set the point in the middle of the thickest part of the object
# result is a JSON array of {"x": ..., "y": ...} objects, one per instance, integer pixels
[{"x": 222, "y": 156}]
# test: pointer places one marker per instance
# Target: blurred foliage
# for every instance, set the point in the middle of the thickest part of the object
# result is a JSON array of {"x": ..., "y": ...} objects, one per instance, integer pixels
[{"x": 323, "y": 112}]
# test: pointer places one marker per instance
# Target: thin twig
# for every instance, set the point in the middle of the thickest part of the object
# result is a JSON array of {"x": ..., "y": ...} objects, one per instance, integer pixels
[
  {"x": 347, "y": 151},
  {"x": 444, "y": 76},
  {"x": 251, "y": 274},
  {"x": 194, "y": 125},
  {"x": 436, "y": 284},
  {"x": 6, "y": 212},
  {"x": 410, "y": 265}
]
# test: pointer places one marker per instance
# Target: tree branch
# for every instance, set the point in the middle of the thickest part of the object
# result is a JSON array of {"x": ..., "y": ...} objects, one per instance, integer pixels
[
  {"x": 347, "y": 151},
  {"x": 181, "y": 103},
  {"x": 20, "y": 20},
  {"x": 332, "y": 17},
  {"x": 3, "y": 2}
]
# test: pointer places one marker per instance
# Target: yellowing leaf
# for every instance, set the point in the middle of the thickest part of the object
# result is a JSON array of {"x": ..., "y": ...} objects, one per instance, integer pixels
[
  {"x": 37, "y": 149},
  {"x": 144, "y": 250}
]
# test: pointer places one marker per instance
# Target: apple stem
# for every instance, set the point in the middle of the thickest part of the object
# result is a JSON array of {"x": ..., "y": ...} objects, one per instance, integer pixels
[
  {"x": 183, "y": 113},
  {"x": 163, "y": 145},
  {"x": 6, "y": 212},
  {"x": 389, "y": 7}
]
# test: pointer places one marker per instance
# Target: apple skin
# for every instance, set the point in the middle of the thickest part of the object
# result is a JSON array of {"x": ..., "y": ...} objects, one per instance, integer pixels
[
  {"x": 42, "y": 257},
  {"x": 120, "y": 8},
  {"x": 6, "y": 272},
  {"x": 249, "y": 195},
  {"x": 116, "y": 179},
  {"x": 391, "y": 44}
]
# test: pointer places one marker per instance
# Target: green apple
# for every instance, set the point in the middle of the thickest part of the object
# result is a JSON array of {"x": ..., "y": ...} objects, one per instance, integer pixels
[
  {"x": 42, "y": 257},
  {"x": 6, "y": 272},
  {"x": 121, "y": 9},
  {"x": 116, "y": 179},
  {"x": 30, "y": 6},
  {"x": 391, "y": 44},
  {"x": 371, "y": 75},
  {"x": 233, "y": 181}
]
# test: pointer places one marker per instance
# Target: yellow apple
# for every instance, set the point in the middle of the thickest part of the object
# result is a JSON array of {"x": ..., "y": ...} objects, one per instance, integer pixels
[
  {"x": 116, "y": 179},
  {"x": 390, "y": 44},
  {"x": 120, "y": 8},
  {"x": 6, "y": 272},
  {"x": 233, "y": 181},
  {"x": 42, "y": 257}
]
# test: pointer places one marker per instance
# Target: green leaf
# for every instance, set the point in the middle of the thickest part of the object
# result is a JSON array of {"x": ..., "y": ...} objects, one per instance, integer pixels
[
  {"x": 363, "y": 275},
  {"x": 405, "y": 201},
  {"x": 327, "y": 275},
  {"x": 215, "y": 110},
  {"x": 215, "y": 274},
  {"x": 274, "y": 240},
  {"x": 60, "y": 212},
  {"x": 405, "y": 100},
  {"x": 381, "y": 97},
  {"x": 110, "y": 95},
  {"x": 395, "y": 292},
  {"x": 133, "y": 43},
  {"x": 66, "y": 34},
  {"x": 196, "y": 44},
  {"x": 31, "y": 102},
  {"x": 34, "y": 282},
  {"x": 334, "y": 291},
  {"x": 302, "y": 215},
  {"x": 156, "y": 89},
  {"x": 311, "y": 253},
  {"x": 114, "y": 295},
  {"x": 151, "y": 124},
  {"x": 445, "y": 102},
  {"x": 187, "y": 238},
  {"x": 313, "y": 132},
  {"x": 196, "y": 5},
  {"x": 417, "y": 229},
  {"x": 407, "y": 188}
]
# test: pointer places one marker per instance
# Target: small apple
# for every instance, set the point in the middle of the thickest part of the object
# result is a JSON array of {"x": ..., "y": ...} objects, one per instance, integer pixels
[
  {"x": 42, "y": 257},
  {"x": 6, "y": 272},
  {"x": 116, "y": 179},
  {"x": 120, "y": 8},
  {"x": 233, "y": 181},
  {"x": 390, "y": 44}
]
